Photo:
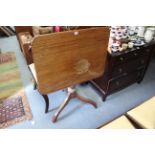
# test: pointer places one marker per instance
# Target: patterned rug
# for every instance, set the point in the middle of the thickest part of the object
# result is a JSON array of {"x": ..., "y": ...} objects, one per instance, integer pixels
[{"x": 14, "y": 106}]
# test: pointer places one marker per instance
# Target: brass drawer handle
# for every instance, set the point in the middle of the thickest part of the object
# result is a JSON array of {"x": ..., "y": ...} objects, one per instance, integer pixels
[
  {"x": 147, "y": 50},
  {"x": 121, "y": 58},
  {"x": 117, "y": 83},
  {"x": 139, "y": 74},
  {"x": 142, "y": 61},
  {"x": 120, "y": 70}
]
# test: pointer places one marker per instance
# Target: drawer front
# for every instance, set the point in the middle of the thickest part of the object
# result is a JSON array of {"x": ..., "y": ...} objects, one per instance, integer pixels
[
  {"x": 129, "y": 66},
  {"x": 124, "y": 58},
  {"x": 125, "y": 80}
]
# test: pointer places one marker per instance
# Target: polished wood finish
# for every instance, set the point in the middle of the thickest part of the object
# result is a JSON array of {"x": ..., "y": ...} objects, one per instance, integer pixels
[
  {"x": 68, "y": 58},
  {"x": 124, "y": 69},
  {"x": 25, "y": 39},
  {"x": 25, "y": 45},
  {"x": 47, "y": 102},
  {"x": 20, "y": 29}
]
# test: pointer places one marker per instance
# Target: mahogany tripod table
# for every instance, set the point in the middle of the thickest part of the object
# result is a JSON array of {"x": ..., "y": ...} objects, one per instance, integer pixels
[{"x": 65, "y": 59}]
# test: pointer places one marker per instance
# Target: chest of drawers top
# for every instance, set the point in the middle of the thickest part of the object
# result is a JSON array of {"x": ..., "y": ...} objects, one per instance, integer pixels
[{"x": 130, "y": 54}]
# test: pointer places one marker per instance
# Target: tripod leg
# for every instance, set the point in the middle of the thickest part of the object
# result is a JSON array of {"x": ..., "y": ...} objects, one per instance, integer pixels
[
  {"x": 86, "y": 100},
  {"x": 35, "y": 86},
  {"x": 47, "y": 102},
  {"x": 61, "y": 107},
  {"x": 104, "y": 98}
]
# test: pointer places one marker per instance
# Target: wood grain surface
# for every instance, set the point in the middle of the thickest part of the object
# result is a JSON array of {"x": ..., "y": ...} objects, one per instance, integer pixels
[{"x": 67, "y": 58}]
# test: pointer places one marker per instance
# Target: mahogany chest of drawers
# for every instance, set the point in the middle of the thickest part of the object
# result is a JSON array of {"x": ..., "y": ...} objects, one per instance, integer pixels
[{"x": 123, "y": 69}]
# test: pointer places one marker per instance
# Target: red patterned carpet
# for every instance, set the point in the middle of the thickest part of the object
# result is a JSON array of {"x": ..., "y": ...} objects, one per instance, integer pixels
[{"x": 14, "y": 106}]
